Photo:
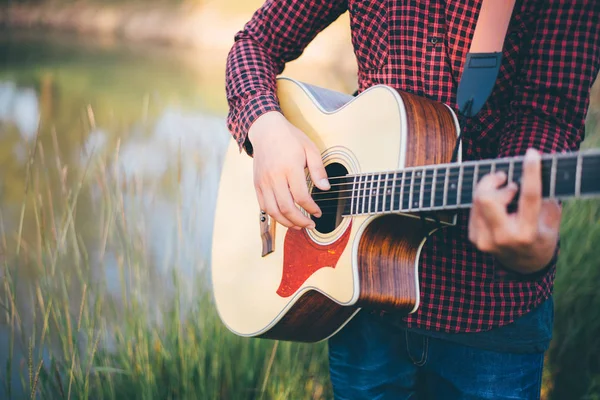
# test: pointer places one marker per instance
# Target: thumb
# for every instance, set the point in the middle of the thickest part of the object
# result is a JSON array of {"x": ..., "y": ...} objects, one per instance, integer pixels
[{"x": 316, "y": 169}]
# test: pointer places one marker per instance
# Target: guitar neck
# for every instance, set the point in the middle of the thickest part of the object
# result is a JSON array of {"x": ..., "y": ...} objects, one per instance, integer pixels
[{"x": 450, "y": 186}]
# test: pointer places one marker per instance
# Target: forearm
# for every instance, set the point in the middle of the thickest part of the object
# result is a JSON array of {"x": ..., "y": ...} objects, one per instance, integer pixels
[
  {"x": 277, "y": 33},
  {"x": 250, "y": 87}
]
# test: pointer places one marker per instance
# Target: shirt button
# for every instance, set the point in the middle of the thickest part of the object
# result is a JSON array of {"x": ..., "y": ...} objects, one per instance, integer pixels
[
  {"x": 514, "y": 35},
  {"x": 434, "y": 40},
  {"x": 477, "y": 128}
]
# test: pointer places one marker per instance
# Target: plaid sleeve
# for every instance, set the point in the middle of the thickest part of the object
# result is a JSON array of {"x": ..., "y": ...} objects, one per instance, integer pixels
[
  {"x": 277, "y": 33},
  {"x": 552, "y": 96},
  {"x": 558, "y": 69}
]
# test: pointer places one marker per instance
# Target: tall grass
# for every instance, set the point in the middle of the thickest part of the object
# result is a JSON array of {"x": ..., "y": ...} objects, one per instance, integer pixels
[
  {"x": 574, "y": 358},
  {"x": 71, "y": 338}
]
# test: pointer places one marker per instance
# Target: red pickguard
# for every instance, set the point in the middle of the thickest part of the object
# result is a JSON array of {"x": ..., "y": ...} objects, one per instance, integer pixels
[{"x": 302, "y": 257}]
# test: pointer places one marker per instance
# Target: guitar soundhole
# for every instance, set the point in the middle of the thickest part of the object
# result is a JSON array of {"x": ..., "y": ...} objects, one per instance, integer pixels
[{"x": 332, "y": 202}]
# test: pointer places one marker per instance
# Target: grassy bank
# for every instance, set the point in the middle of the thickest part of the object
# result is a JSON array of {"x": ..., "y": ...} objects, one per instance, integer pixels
[
  {"x": 81, "y": 341},
  {"x": 90, "y": 314},
  {"x": 85, "y": 344}
]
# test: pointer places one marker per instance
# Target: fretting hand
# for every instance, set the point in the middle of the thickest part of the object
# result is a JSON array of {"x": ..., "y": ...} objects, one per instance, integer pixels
[{"x": 524, "y": 241}]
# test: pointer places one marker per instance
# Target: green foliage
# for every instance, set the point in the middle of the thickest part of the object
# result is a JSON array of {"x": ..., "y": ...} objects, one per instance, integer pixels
[
  {"x": 87, "y": 344},
  {"x": 76, "y": 332},
  {"x": 574, "y": 358}
]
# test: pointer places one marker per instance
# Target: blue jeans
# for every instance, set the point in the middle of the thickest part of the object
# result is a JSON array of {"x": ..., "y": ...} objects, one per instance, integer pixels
[{"x": 371, "y": 359}]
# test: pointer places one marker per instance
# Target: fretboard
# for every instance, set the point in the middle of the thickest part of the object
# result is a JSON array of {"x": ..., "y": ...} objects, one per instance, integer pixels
[{"x": 451, "y": 186}]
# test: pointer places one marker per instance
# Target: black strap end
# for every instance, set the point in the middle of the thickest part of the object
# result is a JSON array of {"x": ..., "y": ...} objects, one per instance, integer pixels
[{"x": 477, "y": 81}]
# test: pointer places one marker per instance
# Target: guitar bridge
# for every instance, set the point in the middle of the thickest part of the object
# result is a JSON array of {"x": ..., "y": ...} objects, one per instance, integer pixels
[{"x": 267, "y": 233}]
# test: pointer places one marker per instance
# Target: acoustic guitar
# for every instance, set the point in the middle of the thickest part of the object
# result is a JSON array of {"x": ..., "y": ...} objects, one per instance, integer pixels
[{"x": 388, "y": 158}]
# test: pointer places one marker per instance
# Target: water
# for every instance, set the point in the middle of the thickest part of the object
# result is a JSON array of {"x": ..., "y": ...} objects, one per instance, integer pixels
[{"x": 73, "y": 100}]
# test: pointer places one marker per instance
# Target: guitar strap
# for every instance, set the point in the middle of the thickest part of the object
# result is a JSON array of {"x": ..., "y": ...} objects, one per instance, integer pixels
[
  {"x": 483, "y": 59},
  {"x": 485, "y": 56}
]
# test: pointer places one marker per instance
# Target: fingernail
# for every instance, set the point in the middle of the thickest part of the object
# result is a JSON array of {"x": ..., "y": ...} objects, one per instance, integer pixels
[
  {"x": 312, "y": 226},
  {"x": 501, "y": 175},
  {"x": 532, "y": 154},
  {"x": 325, "y": 184},
  {"x": 317, "y": 215}
]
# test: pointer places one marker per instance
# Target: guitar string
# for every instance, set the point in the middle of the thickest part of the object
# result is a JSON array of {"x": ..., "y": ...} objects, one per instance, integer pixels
[
  {"x": 416, "y": 181},
  {"x": 417, "y": 194},
  {"x": 587, "y": 156},
  {"x": 454, "y": 171},
  {"x": 451, "y": 203}
]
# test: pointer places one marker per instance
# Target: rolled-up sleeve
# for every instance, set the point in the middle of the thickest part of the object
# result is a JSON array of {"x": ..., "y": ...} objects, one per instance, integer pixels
[{"x": 277, "y": 33}]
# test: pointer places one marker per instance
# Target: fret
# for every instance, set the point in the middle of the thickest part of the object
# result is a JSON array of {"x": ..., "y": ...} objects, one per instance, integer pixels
[
  {"x": 421, "y": 189},
  {"x": 392, "y": 199},
  {"x": 511, "y": 170},
  {"x": 452, "y": 194},
  {"x": 439, "y": 188},
  {"x": 416, "y": 190},
  {"x": 402, "y": 191},
  {"x": 502, "y": 166},
  {"x": 390, "y": 192},
  {"x": 432, "y": 202},
  {"x": 377, "y": 193},
  {"x": 546, "y": 177},
  {"x": 484, "y": 169},
  {"x": 553, "y": 178},
  {"x": 475, "y": 181},
  {"x": 352, "y": 197},
  {"x": 410, "y": 197},
  {"x": 445, "y": 201},
  {"x": 354, "y": 209},
  {"x": 385, "y": 193},
  {"x": 459, "y": 188},
  {"x": 565, "y": 176},
  {"x": 590, "y": 184},
  {"x": 468, "y": 182},
  {"x": 578, "y": 176},
  {"x": 382, "y": 193},
  {"x": 427, "y": 188},
  {"x": 493, "y": 167},
  {"x": 346, "y": 194},
  {"x": 370, "y": 192},
  {"x": 362, "y": 193}
]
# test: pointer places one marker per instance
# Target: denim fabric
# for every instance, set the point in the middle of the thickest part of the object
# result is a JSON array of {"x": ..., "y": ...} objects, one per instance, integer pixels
[
  {"x": 530, "y": 333},
  {"x": 371, "y": 358}
]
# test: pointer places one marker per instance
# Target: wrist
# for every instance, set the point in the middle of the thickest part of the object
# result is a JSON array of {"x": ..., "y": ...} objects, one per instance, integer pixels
[
  {"x": 529, "y": 262},
  {"x": 261, "y": 125}
]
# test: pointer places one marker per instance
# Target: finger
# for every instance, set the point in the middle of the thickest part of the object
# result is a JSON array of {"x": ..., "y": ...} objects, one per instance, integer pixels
[
  {"x": 316, "y": 169},
  {"x": 490, "y": 201},
  {"x": 288, "y": 208},
  {"x": 300, "y": 194},
  {"x": 506, "y": 194},
  {"x": 530, "y": 200},
  {"x": 272, "y": 208}
]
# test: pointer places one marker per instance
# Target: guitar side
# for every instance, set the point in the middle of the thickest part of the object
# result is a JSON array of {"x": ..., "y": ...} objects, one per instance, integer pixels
[{"x": 313, "y": 282}]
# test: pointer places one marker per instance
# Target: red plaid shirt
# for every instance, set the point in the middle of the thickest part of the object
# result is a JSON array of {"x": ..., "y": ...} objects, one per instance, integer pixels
[{"x": 551, "y": 58}]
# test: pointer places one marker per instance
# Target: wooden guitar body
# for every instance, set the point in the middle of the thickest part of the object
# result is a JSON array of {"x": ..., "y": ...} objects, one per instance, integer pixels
[{"x": 305, "y": 285}]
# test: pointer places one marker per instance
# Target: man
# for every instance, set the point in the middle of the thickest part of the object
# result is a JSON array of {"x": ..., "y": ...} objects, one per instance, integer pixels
[{"x": 485, "y": 318}]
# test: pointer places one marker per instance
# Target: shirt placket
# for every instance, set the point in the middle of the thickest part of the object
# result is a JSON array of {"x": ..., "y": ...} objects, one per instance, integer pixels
[{"x": 434, "y": 48}]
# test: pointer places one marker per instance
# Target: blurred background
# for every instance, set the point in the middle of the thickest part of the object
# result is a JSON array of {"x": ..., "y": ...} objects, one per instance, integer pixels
[{"x": 112, "y": 135}]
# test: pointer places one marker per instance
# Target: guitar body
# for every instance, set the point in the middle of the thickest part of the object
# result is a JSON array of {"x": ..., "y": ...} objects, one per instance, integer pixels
[{"x": 305, "y": 285}]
